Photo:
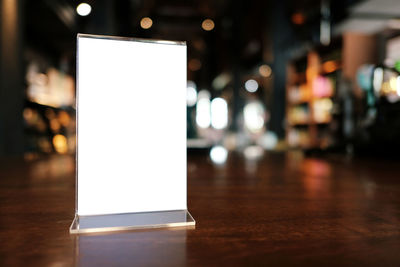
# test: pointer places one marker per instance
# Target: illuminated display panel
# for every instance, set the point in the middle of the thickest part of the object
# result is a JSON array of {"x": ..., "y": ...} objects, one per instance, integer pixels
[{"x": 131, "y": 110}]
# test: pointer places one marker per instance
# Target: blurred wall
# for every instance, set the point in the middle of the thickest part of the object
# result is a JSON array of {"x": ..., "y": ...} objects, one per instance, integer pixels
[{"x": 358, "y": 49}]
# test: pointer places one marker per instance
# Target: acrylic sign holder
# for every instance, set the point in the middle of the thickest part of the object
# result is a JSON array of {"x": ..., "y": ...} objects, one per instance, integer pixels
[{"x": 131, "y": 134}]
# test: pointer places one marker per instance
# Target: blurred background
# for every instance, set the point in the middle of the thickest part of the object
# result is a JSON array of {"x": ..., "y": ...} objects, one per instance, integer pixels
[{"x": 317, "y": 76}]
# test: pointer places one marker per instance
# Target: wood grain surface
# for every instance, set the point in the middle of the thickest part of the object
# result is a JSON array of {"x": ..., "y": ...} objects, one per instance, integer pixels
[{"x": 281, "y": 210}]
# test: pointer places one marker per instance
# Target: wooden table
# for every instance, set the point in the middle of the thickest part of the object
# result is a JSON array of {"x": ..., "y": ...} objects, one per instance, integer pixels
[{"x": 281, "y": 210}]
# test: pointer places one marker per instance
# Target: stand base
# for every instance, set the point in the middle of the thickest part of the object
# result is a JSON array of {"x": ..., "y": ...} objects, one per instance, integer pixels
[{"x": 130, "y": 221}]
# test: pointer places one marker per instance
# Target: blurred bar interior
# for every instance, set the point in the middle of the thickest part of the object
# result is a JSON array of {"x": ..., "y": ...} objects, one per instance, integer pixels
[
  {"x": 318, "y": 76},
  {"x": 293, "y": 122}
]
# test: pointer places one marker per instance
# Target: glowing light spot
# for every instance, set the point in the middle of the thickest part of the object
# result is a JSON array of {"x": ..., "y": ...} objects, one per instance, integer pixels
[
  {"x": 194, "y": 64},
  {"x": 377, "y": 80},
  {"x": 221, "y": 81},
  {"x": 60, "y": 143},
  {"x": 83, "y": 9},
  {"x": 393, "y": 84},
  {"x": 253, "y": 152},
  {"x": 208, "y": 25},
  {"x": 41, "y": 79},
  {"x": 322, "y": 110},
  {"x": 203, "y": 111},
  {"x": 329, "y": 66},
  {"x": 265, "y": 71},
  {"x": 298, "y": 18},
  {"x": 64, "y": 118},
  {"x": 254, "y": 117},
  {"x": 55, "y": 125},
  {"x": 219, "y": 113},
  {"x": 146, "y": 23},
  {"x": 28, "y": 114},
  {"x": 251, "y": 85},
  {"x": 218, "y": 155},
  {"x": 398, "y": 85},
  {"x": 268, "y": 141},
  {"x": 191, "y": 94}
]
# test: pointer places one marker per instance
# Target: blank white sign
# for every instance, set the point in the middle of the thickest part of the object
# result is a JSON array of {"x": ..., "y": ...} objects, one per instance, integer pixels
[{"x": 131, "y": 106}]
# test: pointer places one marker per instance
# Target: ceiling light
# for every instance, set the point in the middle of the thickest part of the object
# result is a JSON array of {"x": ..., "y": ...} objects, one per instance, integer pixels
[
  {"x": 208, "y": 25},
  {"x": 83, "y": 9},
  {"x": 265, "y": 70},
  {"x": 146, "y": 23}
]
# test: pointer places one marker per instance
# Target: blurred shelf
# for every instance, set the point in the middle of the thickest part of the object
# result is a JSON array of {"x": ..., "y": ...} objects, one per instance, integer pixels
[
  {"x": 298, "y": 123},
  {"x": 311, "y": 98},
  {"x": 300, "y": 102}
]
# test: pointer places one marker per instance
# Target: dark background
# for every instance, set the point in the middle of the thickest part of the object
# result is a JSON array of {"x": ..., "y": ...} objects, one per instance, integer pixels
[{"x": 38, "y": 50}]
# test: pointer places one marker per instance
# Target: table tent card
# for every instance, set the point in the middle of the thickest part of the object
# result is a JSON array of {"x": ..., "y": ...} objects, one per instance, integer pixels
[{"x": 131, "y": 134}]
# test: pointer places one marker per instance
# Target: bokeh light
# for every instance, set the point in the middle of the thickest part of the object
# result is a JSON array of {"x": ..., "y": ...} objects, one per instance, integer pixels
[
  {"x": 194, "y": 64},
  {"x": 254, "y": 117},
  {"x": 83, "y": 9},
  {"x": 203, "y": 109},
  {"x": 208, "y": 25},
  {"x": 219, "y": 113},
  {"x": 146, "y": 23},
  {"x": 191, "y": 94},
  {"x": 265, "y": 71},
  {"x": 218, "y": 155},
  {"x": 60, "y": 143},
  {"x": 251, "y": 85}
]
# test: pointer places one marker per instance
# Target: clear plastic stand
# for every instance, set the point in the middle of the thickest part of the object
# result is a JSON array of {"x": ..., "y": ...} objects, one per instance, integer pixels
[
  {"x": 131, "y": 221},
  {"x": 131, "y": 134}
]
